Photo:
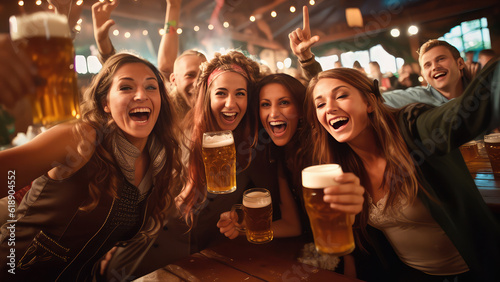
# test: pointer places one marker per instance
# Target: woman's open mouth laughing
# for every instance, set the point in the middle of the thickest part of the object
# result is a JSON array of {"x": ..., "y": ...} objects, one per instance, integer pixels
[{"x": 140, "y": 115}]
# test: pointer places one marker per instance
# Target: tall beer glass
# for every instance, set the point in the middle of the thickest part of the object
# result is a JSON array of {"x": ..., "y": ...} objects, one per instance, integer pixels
[
  {"x": 46, "y": 39},
  {"x": 219, "y": 158},
  {"x": 258, "y": 215},
  {"x": 492, "y": 145},
  {"x": 332, "y": 230}
]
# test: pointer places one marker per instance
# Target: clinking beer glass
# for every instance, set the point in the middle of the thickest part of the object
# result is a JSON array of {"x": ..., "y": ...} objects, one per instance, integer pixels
[
  {"x": 219, "y": 158},
  {"x": 46, "y": 39},
  {"x": 257, "y": 215},
  {"x": 332, "y": 230}
]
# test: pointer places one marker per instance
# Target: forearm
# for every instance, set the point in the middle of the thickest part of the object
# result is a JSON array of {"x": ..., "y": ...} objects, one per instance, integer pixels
[
  {"x": 169, "y": 44},
  {"x": 105, "y": 48},
  {"x": 310, "y": 68}
]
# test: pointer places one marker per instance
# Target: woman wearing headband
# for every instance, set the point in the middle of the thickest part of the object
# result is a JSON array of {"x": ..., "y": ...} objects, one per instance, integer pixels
[{"x": 225, "y": 89}]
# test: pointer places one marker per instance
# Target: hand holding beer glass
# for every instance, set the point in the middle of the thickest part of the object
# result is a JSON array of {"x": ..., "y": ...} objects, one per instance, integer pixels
[
  {"x": 219, "y": 158},
  {"x": 332, "y": 230},
  {"x": 257, "y": 215},
  {"x": 45, "y": 38}
]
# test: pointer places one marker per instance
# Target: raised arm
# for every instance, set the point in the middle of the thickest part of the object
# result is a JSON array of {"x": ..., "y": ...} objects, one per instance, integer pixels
[
  {"x": 101, "y": 13},
  {"x": 54, "y": 152},
  {"x": 169, "y": 44},
  {"x": 301, "y": 43}
]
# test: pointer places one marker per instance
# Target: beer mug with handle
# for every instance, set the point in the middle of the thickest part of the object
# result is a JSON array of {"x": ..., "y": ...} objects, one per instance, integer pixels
[
  {"x": 45, "y": 38},
  {"x": 255, "y": 215},
  {"x": 332, "y": 230},
  {"x": 219, "y": 158}
]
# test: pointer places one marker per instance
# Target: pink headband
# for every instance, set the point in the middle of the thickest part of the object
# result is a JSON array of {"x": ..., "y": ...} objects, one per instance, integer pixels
[{"x": 225, "y": 68}]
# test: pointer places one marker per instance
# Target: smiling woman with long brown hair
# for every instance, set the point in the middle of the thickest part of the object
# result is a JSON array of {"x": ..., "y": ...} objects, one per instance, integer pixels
[
  {"x": 419, "y": 196},
  {"x": 96, "y": 181}
]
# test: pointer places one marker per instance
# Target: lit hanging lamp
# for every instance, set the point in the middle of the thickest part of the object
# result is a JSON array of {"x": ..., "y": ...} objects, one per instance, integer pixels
[{"x": 354, "y": 17}]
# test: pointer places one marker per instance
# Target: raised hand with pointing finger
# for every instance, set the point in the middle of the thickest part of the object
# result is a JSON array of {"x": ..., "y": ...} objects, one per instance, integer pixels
[
  {"x": 101, "y": 13},
  {"x": 301, "y": 40}
]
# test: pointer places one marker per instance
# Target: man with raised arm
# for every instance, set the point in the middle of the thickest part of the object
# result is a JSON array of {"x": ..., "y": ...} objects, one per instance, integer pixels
[{"x": 442, "y": 67}]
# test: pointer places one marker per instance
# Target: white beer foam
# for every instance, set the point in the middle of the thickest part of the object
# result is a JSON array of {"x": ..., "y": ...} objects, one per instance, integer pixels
[
  {"x": 256, "y": 199},
  {"x": 46, "y": 24},
  {"x": 492, "y": 138},
  {"x": 320, "y": 176},
  {"x": 217, "y": 141}
]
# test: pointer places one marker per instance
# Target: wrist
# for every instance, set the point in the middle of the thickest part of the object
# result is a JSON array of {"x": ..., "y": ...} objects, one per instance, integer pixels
[
  {"x": 306, "y": 59},
  {"x": 170, "y": 26}
]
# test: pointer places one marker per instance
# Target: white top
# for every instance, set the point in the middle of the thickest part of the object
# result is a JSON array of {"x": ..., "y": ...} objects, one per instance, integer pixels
[{"x": 417, "y": 238}]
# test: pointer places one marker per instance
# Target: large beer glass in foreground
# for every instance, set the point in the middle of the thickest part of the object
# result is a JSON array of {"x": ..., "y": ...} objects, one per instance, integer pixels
[
  {"x": 332, "y": 230},
  {"x": 492, "y": 145},
  {"x": 219, "y": 158},
  {"x": 258, "y": 215},
  {"x": 46, "y": 39}
]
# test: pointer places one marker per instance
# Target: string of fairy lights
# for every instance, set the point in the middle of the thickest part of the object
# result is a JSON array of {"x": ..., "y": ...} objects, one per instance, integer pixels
[{"x": 145, "y": 32}]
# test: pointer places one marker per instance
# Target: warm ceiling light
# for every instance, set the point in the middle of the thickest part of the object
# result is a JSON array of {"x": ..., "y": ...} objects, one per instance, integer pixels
[
  {"x": 252, "y": 18},
  {"x": 354, "y": 17},
  {"x": 179, "y": 30},
  {"x": 80, "y": 20},
  {"x": 20, "y": 3},
  {"x": 226, "y": 24},
  {"x": 79, "y": 2},
  {"x": 145, "y": 32},
  {"x": 38, "y": 2},
  {"x": 292, "y": 9},
  {"x": 161, "y": 31},
  {"x": 211, "y": 26},
  {"x": 273, "y": 14},
  {"x": 116, "y": 32},
  {"x": 196, "y": 28},
  {"x": 395, "y": 32},
  {"x": 127, "y": 34},
  {"x": 412, "y": 30},
  {"x": 312, "y": 2}
]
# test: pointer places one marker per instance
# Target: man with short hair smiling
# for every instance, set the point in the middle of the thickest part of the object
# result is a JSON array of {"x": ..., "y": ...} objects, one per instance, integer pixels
[{"x": 444, "y": 70}]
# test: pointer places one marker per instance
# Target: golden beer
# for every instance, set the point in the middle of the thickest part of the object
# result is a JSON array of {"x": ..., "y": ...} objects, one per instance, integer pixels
[
  {"x": 492, "y": 145},
  {"x": 258, "y": 215},
  {"x": 332, "y": 230},
  {"x": 219, "y": 158},
  {"x": 45, "y": 38},
  {"x": 469, "y": 151}
]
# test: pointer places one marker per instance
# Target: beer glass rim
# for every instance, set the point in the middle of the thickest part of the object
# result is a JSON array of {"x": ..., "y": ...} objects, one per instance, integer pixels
[
  {"x": 264, "y": 190},
  {"x": 220, "y": 132},
  {"x": 494, "y": 137},
  {"x": 322, "y": 168}
]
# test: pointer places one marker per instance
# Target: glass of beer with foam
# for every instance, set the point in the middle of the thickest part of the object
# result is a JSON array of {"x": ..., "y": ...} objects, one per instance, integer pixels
[
  {"x": 45, "y": 38},
  {"x": 257, "y": 215},
  {"x": 219, "y": 158},
  {"x": 332, "y": 230},
  {"x": 492, "y": 145}
]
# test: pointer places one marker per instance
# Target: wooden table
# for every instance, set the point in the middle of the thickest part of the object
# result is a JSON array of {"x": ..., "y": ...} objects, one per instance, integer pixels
[
  {"x": 239, "y": 260},
  {"x": 488, "y": 185}
]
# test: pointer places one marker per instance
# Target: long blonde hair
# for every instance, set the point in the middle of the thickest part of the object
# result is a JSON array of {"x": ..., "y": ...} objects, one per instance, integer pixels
[
  {"x": 105, "y": 173},
  {"x": 400, "y": 173}
]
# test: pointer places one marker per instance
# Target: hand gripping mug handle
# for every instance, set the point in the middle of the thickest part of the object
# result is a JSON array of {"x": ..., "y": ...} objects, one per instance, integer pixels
[{"x": 238, "y": 217}]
